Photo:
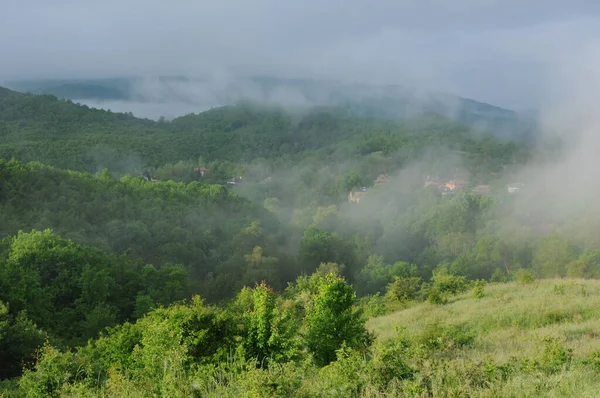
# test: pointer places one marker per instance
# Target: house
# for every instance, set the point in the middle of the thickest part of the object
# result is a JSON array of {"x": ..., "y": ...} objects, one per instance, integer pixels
[
  {"x": 383, "y": 179},
  {"x": 234, "y": 181},
  {"x": 356, "y": 196},
  {"x": 201, "y": 170},
  {"x": 267, "y": 180},
  {"x": 482, "y": 190},
  {"x": 515, "y": 187},
  {"x": 149, "y": 178},
  {"x": 453, "y": 185}
]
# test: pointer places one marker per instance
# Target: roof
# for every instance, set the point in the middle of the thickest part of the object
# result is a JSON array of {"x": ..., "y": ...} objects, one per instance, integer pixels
[
  {"x": 355, "y": 196},
  {"x": 457, "y": 183}
]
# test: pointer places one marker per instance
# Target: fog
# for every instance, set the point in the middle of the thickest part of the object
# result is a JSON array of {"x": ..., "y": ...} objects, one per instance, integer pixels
[{"x": 492, "y": 51}]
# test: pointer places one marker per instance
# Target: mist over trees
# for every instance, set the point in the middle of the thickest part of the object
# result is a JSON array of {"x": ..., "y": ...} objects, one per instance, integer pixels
[{"x": 156, "y": 256}]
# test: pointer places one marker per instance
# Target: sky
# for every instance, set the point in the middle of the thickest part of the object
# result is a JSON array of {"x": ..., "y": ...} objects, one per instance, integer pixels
[{"x": 510, "y": 53}]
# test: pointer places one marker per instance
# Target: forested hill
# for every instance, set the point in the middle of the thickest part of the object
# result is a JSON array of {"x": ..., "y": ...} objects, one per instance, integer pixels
[
  {"x": 152, "y": 284},
  {"x": 69, "y": 136},
  {"x": 387, "y": 102},
  {"x": 207, "y": 228}
]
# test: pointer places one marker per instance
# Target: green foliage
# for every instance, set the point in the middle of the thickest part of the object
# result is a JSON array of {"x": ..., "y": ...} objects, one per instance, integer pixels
[
  {"x": 334, "y": 321},
  {"x": 111, "y": 257},
  {"x": 552, "y": 358},
  {"x": 390, "y": 363},
  {"x": 479, "y": 289},
  {"x": 445, "y": 282},
  {"x": 19, "y": 338},
  {"x": 270, "y": 332},
  {"x": 445, "y": 338},
  {"x": 195, "y": 225},
  {"x": 404, "y": 288},
  {"x": 525, "y": 277}
]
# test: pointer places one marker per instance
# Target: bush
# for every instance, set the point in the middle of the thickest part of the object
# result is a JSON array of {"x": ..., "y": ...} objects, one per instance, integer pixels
[
  {"x": 374, "y": 305},
  {"x": 333, "y": 321},
  {"x": 404, "y": 288},
  {"x": 552, "y": 358},
  {"x": 478, "y": 289},
  {"x": 390, "y": 363},
  {"x": 447, "y": 337},
  {"x": 525, "y": 277},
  {"x": 435, "y": 297},
  {"x": 447, "y": 282},
  {"x": 499, "y": 276}
]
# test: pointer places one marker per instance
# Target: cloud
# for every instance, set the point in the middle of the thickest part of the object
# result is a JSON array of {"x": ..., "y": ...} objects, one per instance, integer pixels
[{"x": 497, "y": 51}]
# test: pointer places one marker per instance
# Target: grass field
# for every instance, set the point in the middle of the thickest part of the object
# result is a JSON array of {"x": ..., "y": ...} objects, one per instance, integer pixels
[{"x": 534, "y": 325}]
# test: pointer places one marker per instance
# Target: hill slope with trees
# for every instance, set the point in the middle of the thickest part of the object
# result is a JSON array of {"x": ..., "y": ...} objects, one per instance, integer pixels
[{"x": 259, "y": 272}]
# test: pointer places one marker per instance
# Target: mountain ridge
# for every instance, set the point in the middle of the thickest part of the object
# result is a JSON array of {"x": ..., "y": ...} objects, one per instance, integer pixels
[{"x": 384, "y": 102}]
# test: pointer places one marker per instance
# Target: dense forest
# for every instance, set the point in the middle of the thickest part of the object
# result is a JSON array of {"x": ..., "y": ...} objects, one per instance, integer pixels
[
  {"x": 243, "y": 249},
  {"x": 377, "y": 101}
]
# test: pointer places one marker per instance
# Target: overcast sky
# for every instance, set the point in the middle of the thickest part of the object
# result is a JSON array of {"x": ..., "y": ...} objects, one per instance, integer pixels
[{"x": 506, "y": 52}]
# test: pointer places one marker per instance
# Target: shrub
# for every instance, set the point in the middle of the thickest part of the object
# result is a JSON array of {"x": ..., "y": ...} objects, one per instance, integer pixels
[
  {"x": 447, "y": 282},
  {"x": 559, "y": 288},
  {"x": 390, "y": 363},
  {"x": 448, "y": 337},
  {"x": 435, "y": 297},
  {"x": 333, "y": 321},
  {"x": 374, "y": 305},
  {"x": 525, "y": 277},
  {"x": 404, "y": 288},
  {"x": 478, "y": 289}
]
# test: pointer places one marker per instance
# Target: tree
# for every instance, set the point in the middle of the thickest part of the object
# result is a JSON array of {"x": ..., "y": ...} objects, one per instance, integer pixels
[
  {"x": 333, "y": 321},
  {"x": 19, "y": 338},
  {"x": 552, "y": 256},
  {"x": 269, "y": 335},
  {"x": 260, "y": 267}
]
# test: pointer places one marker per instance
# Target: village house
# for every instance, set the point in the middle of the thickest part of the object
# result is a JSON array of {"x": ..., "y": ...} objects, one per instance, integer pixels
[
  {"x": 356, "y": 196},
  {"x": 453, "y": 185},
  {"x": 267, "y": 180},
  {"x": 201, "y": 170},
  {"x": 234, "y": 181},
  {"x": 149, "y": 178}
]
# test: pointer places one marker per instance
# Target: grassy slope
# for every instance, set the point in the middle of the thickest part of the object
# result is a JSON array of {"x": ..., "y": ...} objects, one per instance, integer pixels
[{"x": 511, "y": 321}]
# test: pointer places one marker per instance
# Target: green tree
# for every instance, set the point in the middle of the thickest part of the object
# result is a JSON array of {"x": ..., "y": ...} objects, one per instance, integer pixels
[
  {"x": 19, "y": 338},
  {"x": 333, "y": 321},
  {"x": 269, "y": 331},
  {"x": 552, "y": 255}
]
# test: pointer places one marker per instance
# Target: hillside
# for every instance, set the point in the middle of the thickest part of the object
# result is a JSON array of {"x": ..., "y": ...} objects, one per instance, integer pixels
[
  {"x": 527, "y": 339},
  {"x": 69, "y": 136},
  {"x": 387, "y": 102},
  {"x": 519, "y": 339},
  {"x": 206, "y": 228},
  {"x": 240, "y": 251}
]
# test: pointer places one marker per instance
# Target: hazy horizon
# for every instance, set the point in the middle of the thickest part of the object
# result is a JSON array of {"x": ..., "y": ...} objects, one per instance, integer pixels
[{"x": 507, "y": 53}]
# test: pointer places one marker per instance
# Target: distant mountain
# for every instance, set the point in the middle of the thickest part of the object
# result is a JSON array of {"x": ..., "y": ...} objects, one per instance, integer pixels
[{"x": 387, "y": 102}]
